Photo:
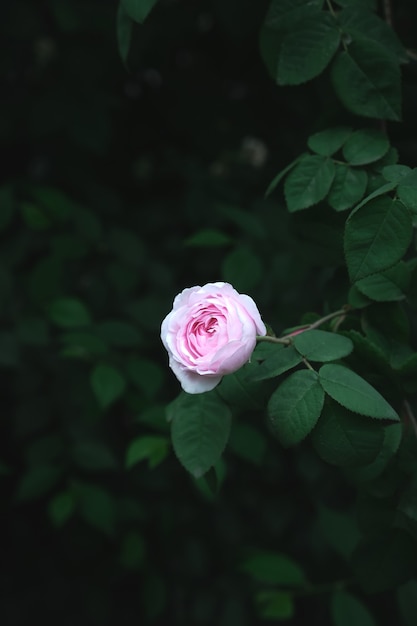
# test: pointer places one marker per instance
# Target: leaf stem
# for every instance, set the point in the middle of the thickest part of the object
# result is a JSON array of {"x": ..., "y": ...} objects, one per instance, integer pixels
[
  {"x": 270, "y": 339},
  {"x": 287, "y": 339}
]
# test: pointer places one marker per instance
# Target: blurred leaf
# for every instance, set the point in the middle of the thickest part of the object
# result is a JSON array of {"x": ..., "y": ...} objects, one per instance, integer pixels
[
  {"x": 95, "y": 505},
  {"x": 354, "y": 393},
  {"x": 208, "y": 238},
  {"x": 61, "y": 508},
  {"x": 309, "y": 182},
  {"x": 384, "y": 560},
  {"x": 365, "y": 146},
  {"x": 33, "y": 331},
  {"x": 248, "y": 443},
  {"x": 367, "y": 80},
  {"x": 146, "y": 375},
  {"x": 9, "y": 350},
  {"x": 93, "y": 455},
  {"x": 242, "y": 269},
  {"x": 322, "y": 346},
  {"x": 407, "y": 601},
  {"x": 127, "y": 246},
  {"x": 347, "y": 610},
  {"x": 275, "y": 605},
  {"x": 339, "y": 530},
  {"x": 37, "y": 481},
  {"x": 376, "y": 237},
  {"x": 138, "y": 9},
  {"x": 152, "y": 448},
  {"x": 69, "y": 313},
  {"x": 390, "y": 445},
  {"x": 108, "y": 385},
  {"x": 329, "y": 141},
  {"x": 273, "y": 568},
  {"x": 295, "y": 407},
  {"x": 200, "y": 429},
  {"x": 124, "y": 28},
  {"x": 82, "y": 345},
  {"x": 34, "y": 217},
  {"x": 132, "y": 551}
]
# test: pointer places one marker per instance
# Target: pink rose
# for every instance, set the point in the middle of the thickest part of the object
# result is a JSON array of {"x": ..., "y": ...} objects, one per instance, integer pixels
[{"x": 211, "y": 331}]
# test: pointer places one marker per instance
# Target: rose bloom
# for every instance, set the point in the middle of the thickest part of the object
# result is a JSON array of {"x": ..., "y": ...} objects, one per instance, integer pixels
[{"x": 211, "y": 331}]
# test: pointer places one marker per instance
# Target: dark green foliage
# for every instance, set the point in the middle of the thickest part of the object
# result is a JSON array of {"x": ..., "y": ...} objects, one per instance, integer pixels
[{"x": 139, "y": 139}]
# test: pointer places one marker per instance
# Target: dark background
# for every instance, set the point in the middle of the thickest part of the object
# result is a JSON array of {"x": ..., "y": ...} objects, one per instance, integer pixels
[{"x": 106, "y": 172}]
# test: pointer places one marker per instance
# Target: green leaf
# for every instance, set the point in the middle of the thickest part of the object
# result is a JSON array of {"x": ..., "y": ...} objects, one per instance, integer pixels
[
  {"x": 208, "y": 238},
  {"x": 348, "y": 188},
  {"x": 299, "y": 47},
  {"x": 282, "y": 173},
  {"x": 407, "y": 190},
  {"x": 69, "y": 313},
  {"x": 384, "y": 560},
  {"x": 242, "y": 269},
  {"x": 200, "y": 430},
  {"x": 395, "y": 173},
  {"x": 376, "y": 237},
  {"x": 280, "y": 361},
  {"x": 347, "y": 610},
  {"x": 376, "y": 193},
  {"x": 356, "y": 21},
  {"x": 151, "y": 448},
  {"x": 354, "y": 393},
  {"x": 239, "y": 390},
  {"x": 322, "y": 346},
  {"x": 329, "y": 141},
  {"x": 108, "y": 385},
  {"x": 407, "y": 602},
  {"x": 138, "y": 10},
  {"x": 365, "y": 146},
  {"x": 275, "y": 605},
  {"x": 388, "y": 286},
  {"x": 309, "y": 182},
  {"x": 273, "y": 568},
  {"x": 295, "y": 407},
  {"x": 367, "y": 80},
  {"x": 345, "y": 439},
  {"x": 124, "y": 28},
  {"x": 392, "y": 439}
]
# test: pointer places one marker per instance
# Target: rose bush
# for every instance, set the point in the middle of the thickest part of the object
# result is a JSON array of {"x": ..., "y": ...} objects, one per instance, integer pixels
[{"x": 211, "y": 331}]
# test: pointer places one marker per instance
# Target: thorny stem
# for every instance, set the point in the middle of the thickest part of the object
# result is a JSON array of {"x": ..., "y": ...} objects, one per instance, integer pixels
[{"x": 270, "y": 339}]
